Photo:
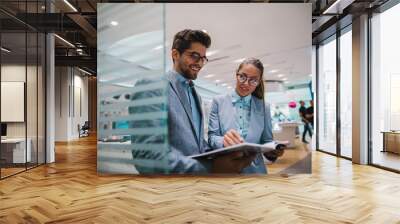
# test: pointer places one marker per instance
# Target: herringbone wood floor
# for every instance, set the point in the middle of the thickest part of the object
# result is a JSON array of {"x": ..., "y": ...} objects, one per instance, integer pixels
[{"x": 70, "y": 191}]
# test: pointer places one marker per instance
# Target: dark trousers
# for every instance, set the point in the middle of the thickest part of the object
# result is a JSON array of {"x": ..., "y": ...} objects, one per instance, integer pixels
[{"x": 307, "y": 128}]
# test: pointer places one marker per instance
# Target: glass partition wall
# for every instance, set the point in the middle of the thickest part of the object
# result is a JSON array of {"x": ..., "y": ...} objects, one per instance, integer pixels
[
  {"x": 22, "y": 88},
  {"x": 346, "y": 93},
  {"x": 327, "y": 95},
  {"x": 13, "y": 86},
  {"x": 334, "y": 102},
  {"x": 385, "y": 89},
  {"x": 132, "y": 105}
]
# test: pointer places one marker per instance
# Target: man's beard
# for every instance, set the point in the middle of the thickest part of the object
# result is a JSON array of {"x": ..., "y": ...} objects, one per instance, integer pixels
[{"x": 189, "y": 73}]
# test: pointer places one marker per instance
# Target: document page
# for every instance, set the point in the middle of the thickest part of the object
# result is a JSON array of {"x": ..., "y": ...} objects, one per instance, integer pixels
[{"x": 246, "y": 148}]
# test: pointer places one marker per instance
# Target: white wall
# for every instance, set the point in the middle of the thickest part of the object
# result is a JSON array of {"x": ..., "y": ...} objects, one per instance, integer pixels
[
  {"x": 62, "y": 81},
  {"x": 33, "y": 126},
  {"x": 79, "y": 117},
  {"x": 13, "y": 73},
  {"x": 70, "y": 83}
]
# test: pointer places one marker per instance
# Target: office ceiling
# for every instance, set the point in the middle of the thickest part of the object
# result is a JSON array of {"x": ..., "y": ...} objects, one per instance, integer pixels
[
  {"x": 245, "y": 31},
  {"x": 79, "y": 27},
  {"x": 277, "y": 34}
]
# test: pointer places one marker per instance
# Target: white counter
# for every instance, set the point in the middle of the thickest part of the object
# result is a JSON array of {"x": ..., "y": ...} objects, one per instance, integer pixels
[
  {"x": 287, "y": 132},
  {"x": 17, "y": 146}
]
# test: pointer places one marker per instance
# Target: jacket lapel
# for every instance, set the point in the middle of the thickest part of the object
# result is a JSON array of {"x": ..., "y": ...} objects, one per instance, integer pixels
[{"x": 182, "y": 96}]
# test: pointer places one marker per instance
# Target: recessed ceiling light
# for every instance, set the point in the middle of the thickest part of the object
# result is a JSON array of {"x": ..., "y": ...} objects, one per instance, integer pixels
[
  {"x": 209, "y": 76},
  {"x": 5, "y": 49},
  {"x": 284, "y": 79},
  {"x": 86, "y": 72},
  {"x": 43, "y": 7},
  {"x": 217, "y": 80},
  {"x": 310, "y": 75},
  {"x": 274, "y": 71},
  {"x": 209, "y": 53},
  {"x": 64, "y": 40},
  {"x": 335, "y": 7},
  {"x": 239, "y": 60},
  {"x": 114, "y": 23},
  {"x": 71, "y": 6},
  {"x": 229, "y": 87},
  {"x": 224, "y": 84},
  {"x": 281, "y": 75},
  {"x": 158, "y": 47}
]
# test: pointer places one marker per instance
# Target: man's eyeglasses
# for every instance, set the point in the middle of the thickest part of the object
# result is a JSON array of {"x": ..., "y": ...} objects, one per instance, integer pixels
[
  {"x": 196, "y": 57},
  {"x": 242, "y": 78}
]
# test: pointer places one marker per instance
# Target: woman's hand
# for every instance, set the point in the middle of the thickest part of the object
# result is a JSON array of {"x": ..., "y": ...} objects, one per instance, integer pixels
[{"x": 232, "y": 137}]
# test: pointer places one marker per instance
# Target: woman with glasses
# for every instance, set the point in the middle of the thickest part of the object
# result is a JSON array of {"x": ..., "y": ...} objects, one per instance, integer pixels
[{"x": 242, "y": 115}]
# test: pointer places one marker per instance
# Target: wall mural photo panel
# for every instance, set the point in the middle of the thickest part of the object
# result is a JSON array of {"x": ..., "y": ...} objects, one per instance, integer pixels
[{"x": 182, "y": 87}]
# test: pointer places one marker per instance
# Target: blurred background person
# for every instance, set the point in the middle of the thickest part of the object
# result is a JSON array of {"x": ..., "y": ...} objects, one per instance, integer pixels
[
  {"x": 307, "y": 128},
  {"x": 310, "y": 115}
]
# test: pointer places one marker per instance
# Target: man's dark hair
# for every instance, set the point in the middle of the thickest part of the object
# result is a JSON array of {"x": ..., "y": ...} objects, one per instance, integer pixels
[{"x": 184, "y": 39}]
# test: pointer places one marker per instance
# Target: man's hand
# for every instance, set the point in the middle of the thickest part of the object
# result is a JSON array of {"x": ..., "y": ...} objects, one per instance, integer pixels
[
  {"x": 232, "y": 137},
  {"x": 232, "y": 163},
  {"x": 274, "y": 154}
]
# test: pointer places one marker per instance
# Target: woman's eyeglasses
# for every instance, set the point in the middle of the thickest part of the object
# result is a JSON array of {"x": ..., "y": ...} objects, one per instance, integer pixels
[
  {"x": 196, "y": 57},
  {"x": 242, "y": 78}
]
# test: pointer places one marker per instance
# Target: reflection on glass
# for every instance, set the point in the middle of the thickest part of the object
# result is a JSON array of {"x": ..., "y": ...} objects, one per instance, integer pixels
[
  {"x": 14, "y": 151},
  {"x": 346, "y": 94},
  {"x": 327, "y": 97},
  {"x": 22, "y": 90},
  {"x": 132, "y": 93},
  {"x": 31, "y": 97},
  {"x": 386, "y": 89}
]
